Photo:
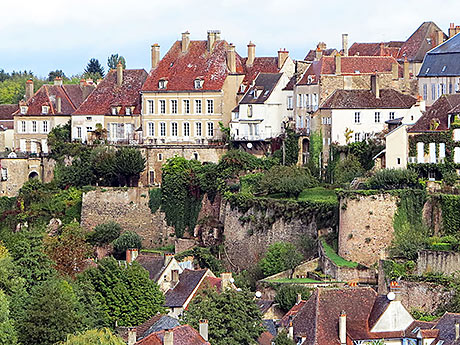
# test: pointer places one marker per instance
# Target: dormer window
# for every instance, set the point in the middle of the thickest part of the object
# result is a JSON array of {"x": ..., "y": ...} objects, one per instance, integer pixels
[
  {"x": 255, "y": 94},
  {"x": 23, "y": 110},
  {"x": 128, "y": 111},
  {"x": 242, "y": 87},
  {"x": 162, "y": 84},
  {"x": 114, "y": 111},
  {"x": 310, "y": 79},
  {"x": 45, "y": 109},
  {"x": 198, "y": 83}
]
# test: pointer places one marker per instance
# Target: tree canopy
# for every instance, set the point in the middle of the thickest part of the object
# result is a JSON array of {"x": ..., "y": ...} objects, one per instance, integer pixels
[
  {"x": 94, "y": 337},
  {"x": 94, "y": 69},
  {"x": 279, "y": 257},
  {"x": 113, "y": 61}
]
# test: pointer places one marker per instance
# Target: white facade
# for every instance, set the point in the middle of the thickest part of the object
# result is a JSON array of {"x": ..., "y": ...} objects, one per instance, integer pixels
[
  {"x": 396, "y": 148},
  {"x": 84, "y": 124}
]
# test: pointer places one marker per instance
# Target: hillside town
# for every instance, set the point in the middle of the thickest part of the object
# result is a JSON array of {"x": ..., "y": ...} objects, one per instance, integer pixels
[{"x": 223, "y": 197}]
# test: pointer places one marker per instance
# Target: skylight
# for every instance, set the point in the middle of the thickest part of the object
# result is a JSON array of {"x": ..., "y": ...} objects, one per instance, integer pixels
[
  {"x": 443, "y": 69},
  {"x": 415, "y": 330},
  {"x": 427, "y": 70}
]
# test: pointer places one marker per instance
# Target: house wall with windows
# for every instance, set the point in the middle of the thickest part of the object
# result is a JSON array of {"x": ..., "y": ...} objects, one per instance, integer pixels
[
  {"x": 82, "y": 125},
  {"x": 431, "y": 88}
]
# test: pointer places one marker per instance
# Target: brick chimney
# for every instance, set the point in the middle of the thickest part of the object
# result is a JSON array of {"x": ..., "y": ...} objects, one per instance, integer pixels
[
  {"x": 29, "y": 89},
  {"x": 58, "y": 81},
  {"x": 338, "y": 64},
  {"x": 168, "y": 258},
  {"x": 132, "y": 335},
  {"x": 119, "y": 74},
  {"x": 282, "y": 57},
  {"x": 231, "y": 58},
  {"x": 299, "y": 298},
  {"x": 204, "y": 329},
  {"x": 395, "y": 71},
  {"x": 185, "y": 41},
  {"x": 345, "y": 44},
  {"x": 211, "y": 40},
  {"x": 343, "y": 328},
  {"x": 406, "y": 69},
  {"x": 251, "y": 53},
  {"x": 82, "y": 82},
  {"x": 453, "y": 30},
  {"x": 375, "y": 86},
  {"x": 58, "y": 104},
  {"x": 131, "y": 254},
  {"x": 226, "y": 280},
  {"x": 155, "y": 55},
  {"x": 168, "y": 338}
]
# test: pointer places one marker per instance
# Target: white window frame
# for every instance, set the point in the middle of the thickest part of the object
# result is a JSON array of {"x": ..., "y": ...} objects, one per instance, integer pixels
[
  {"x": 34, "y": 126},
  {"x": 45, "y": 109},
  {"x": 210, "y": 129},
  {"x": 174, "y": 129},
  {"x": 391, "y": 116},
  {"x": 357, "y": 117},
  {"x": 198, "y": 129},
  {"x": 79, "y": 132},
  {"x": 198, "y": 106},
  {"x": 186, "y": 106},
  {"x": 162, "y": 129},
  {"x": 357, "y": 137},
  {"x": 45, "y": 126},
  {"x": 209, "y": 106},
  {"x": 174, "y": 106},
  {"x": 186, "y": 129},
  {"x": 151, "y": 129},
  {"x": 23, "y": 127},
  {"x": 151, "y": 106},
  {"x": 162, "y": 106},
  {"x": 377, "y": 117},
  {"x": 162, "y": 84}
]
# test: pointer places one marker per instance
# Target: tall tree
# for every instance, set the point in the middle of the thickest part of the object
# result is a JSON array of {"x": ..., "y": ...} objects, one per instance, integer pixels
[
  {"x": 8, "y": 335},
  {"x": 279, "y": 257},
  {"x": 233, "y": 316},
  {"x": 54, "y": 74},
  {"x": 129, "y": 163},
  {"x": 94, "y": 337},
  {"x": 113, "y": 61},
  {"x": 94, "y": 69}
]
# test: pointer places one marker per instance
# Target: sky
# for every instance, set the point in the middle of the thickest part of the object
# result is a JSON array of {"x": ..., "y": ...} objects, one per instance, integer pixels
[{"x": 47, "y": 35}]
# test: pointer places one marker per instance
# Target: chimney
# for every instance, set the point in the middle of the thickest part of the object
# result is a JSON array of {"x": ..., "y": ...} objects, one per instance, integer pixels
[
  {"x": 395, "y": 288},
  {"x": 299, "y": 298},
  {"x": 318, "y": 53},
  {"x": 457, "y": 330},
  {"x": 291, "y": 331},
  {"x": 168, "y": 258},
  {"x": 58, "y": 104},
  {"x": 226, "y": 280},
  {"x": 82, "y": 82},
  {"x": 343, "y": 328},
  {"x": 451, "y": 31},
  {"x": 406, "y": 69},
  {"x": 375, "y": 87},
  {"x": 185, "y": 41},
  {"x": 381, "y": 48},
  {"x": 29, "y": 89},
  {"x": 168, "y": 338},
  {"x": 395, "y": 71},
  {"x": 251, "y": 53},
  {"x": 132, "y": 335},
  {"x": 338, "y": 64},
  {"x": 439, "y": 37},
  {"x": 211, "y": 40},
  {"x": 345, "y": 44},
  {"x": 282, "y": 57},
  {"x": 131, "y": 254},
  {"x": 119, "y": 74},
  {"x": 231, "y": 58},
  {"x": 58, "y": 81},
  {"x": 204, "y": 329},
  {"x": 155, "y": 55}
]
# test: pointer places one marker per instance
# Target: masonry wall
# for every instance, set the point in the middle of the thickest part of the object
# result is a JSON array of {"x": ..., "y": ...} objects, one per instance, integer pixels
[
  {"x": 445, "y": 262},
  {"x": 425, "y": 296},
  {"x": 366, "y": 227},
  {"x": 129, "y": 208}
]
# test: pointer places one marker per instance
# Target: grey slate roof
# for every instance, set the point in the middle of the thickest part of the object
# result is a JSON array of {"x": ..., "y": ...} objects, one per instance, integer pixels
[
  {"x": 443, "y": 61},
  {"x": 264, "y": 84},
  {"x": 188, "y": 281},
  {"x": 165, "y": 322},
  {"x": 154, "y": 264}
]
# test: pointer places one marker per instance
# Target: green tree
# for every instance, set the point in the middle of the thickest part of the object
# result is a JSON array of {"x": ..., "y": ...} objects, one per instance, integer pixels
[
  {"x": 94, "y": 337},
  {"x": 291, "y": 148},
  {"x": 347, "y": 169},
  {"x": 55, "y": 74},
  {"x": 128, "y": 239},
  {"x": 129, "y": 163},
  {"x": 105, "y": 233},
  {"x": 283, "y": 339},
  {"x": 8, "y": 335},
  {"x": 233, "y": 316},
  {"x": 127, "y": 294},
  {"x": 94, "y": 69},
  {"x": 113, "y": 61},
  {"x": 279, "y": 257},
  {"x": 102, "y": 160},
  {"x": 289, "y": 180},
  {"x": 286, "y": 296},
  {"x": 52, "y": 312}
]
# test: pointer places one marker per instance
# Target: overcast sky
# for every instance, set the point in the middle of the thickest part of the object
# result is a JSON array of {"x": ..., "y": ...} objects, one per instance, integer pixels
[{"x": 46, "y": 35}]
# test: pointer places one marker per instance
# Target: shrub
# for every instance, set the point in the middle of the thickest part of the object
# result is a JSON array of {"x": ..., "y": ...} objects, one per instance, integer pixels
[
  {"x": 105, "y": 233},
  {"x": 290, "y": 180},
  {"x": 393, "y": 179},
  {"x": 155, "y": 199},
  {"x": 347, "y": 169},
  {"x": 251, "y": 182},
  {"x": 128, "y": 239},
  {"x": 279, "y": 257},
  {"x": 449, "y": 178},
  {"x": 286, "y": 296}
]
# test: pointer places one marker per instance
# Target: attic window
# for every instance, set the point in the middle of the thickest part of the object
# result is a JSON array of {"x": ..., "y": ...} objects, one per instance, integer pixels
[
  {"x": 266, "y": 93},
  {"x": 427, "y": 70},
  {"x": 198, "y": 83},
  {"x": 128, "y": 111},
  {"x": 310, "y": 79},
  {"x": 45, "y": 109},
  {"x": 357, "y": 72},
  {"x": 415, "y": 330},
  {"x": 171, "y": 64},
  {"x": 242, "y": 87},
  {"x": 114, "y": 111},
  {"x": 443, "y": 69},
  {"x": 428, "y": 40},
  {"x": 162, "y": 84},
  {"x": 23, "y": 110}
]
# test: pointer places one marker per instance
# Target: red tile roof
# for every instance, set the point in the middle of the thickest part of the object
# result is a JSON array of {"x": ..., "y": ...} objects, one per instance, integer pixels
[
  {"x": 350, "y": 65},
  {"x": 375, "y": 49},
  {"x": 265, "y": 338},
  {"x": 183, "y": 335},
  {"x": 365, "y": 99},
  {"x": 182, "y": 69},
  {"x": 260, "y": 65},
  {"x": 311, "y": 55},
  {"x": 289, "y": 316},
  {"x": 6, "y": 115},
  {"x": 108, "y": 94}
]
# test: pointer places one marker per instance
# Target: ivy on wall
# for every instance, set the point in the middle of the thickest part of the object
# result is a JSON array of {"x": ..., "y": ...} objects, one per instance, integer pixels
[
  {"x": 316, "y": 148},
  {"x": 450, "y": 207}
]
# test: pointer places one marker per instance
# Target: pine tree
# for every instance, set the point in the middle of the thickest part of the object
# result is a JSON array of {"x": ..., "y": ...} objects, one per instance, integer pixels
[
  {"x": 114, "y": 59},
  {"x": 94, "y": 69}
]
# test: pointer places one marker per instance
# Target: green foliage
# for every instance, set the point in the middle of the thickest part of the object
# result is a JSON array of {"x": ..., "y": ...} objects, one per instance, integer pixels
[
  {"x": 56, "y": 74},
  {"x": 8, "y": 335},
  {"x": 315, "y": 151},
  {"x": 127, "y": 240},
  {"x": 247, "y": 279},
  {"x": 334, "y": 257},
  {"x": 102, "y": 161},
  {"x": 226, "y": 133},
  {"x": 59, "y": 138},
  {"x": 450, "y": 178},
  {"x": 290, "y": 181},
  {"x": 421, "y": 315},
  {"x": 286, "y": 296},
  {"x": 393, "y": 179},
  {"x": 127, "y": 294},
  {"x": 365, "y": 151},
  {"x": 113, "y": 61},
  {"x": 13, "y": 85},
  {"x": 410, "y": 231},
  {"x": 204, "y": 258},
  {"x": 105, "y": 233},
  {"x": 282, "y": 339},
  {"x": 52, "y": 312},
  {"x": 94, "y": 69},
  {"x": 279, "y": 257},
  {"x": 347, "y": 169},
  {"x": 250, "y": 183},
  {"x": 94, "y": 337},
  {"x": 450, "y": 207},
  {"x": 233, "y": 316},
  {"x": 397, "y": 270},
  {"x": 291, "y": 143},
  {"x": 155, "y": 197},
  {"x": 129, "y": 163}
]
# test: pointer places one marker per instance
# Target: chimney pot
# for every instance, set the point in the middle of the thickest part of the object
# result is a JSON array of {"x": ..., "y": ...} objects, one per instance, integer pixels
[
  {"x": 345, "y": 44},
  {"x": 231, "y": 58},
  {"x": 204, "y": 329},
  {"x": 185, "y": 41},
  {"x": 168, "y": 338},
  {"x": 211, "y": 40},
  {"x": 291, "y": 331},
  {"x": 168, "y": 257},
  {"x": 251, "y": 53},
  {"x": 406, "y": 69},
  {"x": 132, "y": 336},
  {"x": 82, "y": 82},
  {"x": 131, "y": 254},
  {"x": 343, "y": 328},
  {"x": 29, "y": 89},
  {"x": 155, "y": 55}
]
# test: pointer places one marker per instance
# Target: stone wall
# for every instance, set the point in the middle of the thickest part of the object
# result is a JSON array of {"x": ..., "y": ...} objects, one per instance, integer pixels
[
  {"x": 366, "y": 227},
  {"x": 425, "y": 296},
  {"x": 128, "y": 207},
  {"x": 438, "y": 262},
  {"x": 243, "y": 249}
]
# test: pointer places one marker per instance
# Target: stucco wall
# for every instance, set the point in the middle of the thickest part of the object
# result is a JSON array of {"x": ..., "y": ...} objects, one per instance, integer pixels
[
  {"x": 438, "y": 262},
  {"x": 129, "y": 208},
  {"x": 366, "y": 227}
]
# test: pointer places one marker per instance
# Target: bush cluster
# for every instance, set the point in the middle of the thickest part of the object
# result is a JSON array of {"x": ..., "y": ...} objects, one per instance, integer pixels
[{"x": 394, "y": 179}]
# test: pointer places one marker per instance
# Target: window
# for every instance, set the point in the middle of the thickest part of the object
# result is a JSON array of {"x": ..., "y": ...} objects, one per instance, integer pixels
[
  {"x": 210, "y": 129},
  {"x": 162, "y": 106},
  {"x": 128, "y": 111},
  {"x": 198, "y": 83},
  {"x": 89, "y": 118},
  {"x": 160, "y": 157},
  {"x": 425, "y": 91},
  {"x": 45, "y": 127},
  {"x": 4, "y": 174},
  {"x": 198, "y": 132},
  {"x": 174, "y": 106},
  {"x": 23, "y": 127},
  {"x": 392, "y": 115},
  {"x": 289, "y": 103},
  {"x": 357, "y": 117},
  {"x": 114, "y": 111},
  {"x": 195, "y": 156},
  {"x": 186, "y": 129},
  {"x": 45, "y": 109},
  {"x": 151, "y": 129},
  {"x": 162, "y": 84},
  {"x": 23, "y": 110},
  {"x": 162, "y": 129},
  {"x": 210, "y": 108},
  {"x": 78, "y": 132},
  {"x": 442, "y": 150},
  {"x": 249, "y": 110},
  {"x": 357, "y": 136},
  {"x": 433, "y": 92},
  {"x": 34, "y": 126},
  {"x": 457, "y": 155},
  {"x": 186, "y": 106},
  {"x": 420, "y": 153},
  {"x": 151, "y": 105},
  {"x": 198, "y": 106},
  {"x": 151, "y": 177},
  {"x": 242, "y": 88},
  {"x": 377, "y": 116},
  {"x": 174, "y": 129},
  {"x": 89, "y": 129},
  {"x": 398, "y": 161}
]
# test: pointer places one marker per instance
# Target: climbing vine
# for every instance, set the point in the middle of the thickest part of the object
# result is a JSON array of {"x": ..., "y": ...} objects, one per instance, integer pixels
[
  {"x": 316, "y": 148},
  {"x": 450, "y": 207}
]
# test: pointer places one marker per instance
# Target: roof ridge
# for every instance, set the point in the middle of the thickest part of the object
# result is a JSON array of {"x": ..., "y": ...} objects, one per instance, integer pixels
[{"x": 68, "y": 98}]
